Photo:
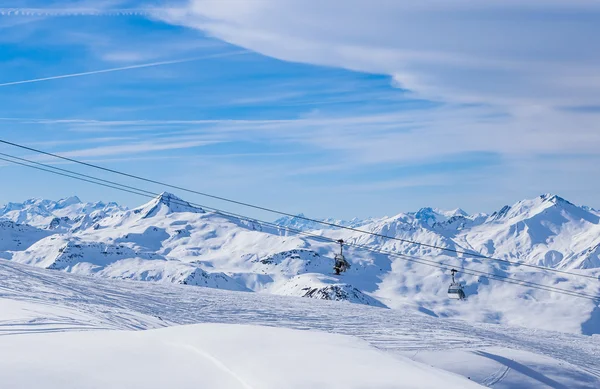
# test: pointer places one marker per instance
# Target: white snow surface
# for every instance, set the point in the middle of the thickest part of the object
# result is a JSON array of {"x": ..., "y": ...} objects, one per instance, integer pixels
[
  {"x": 60, "y": 330},
  {"x": 211, "y": 356},
  {"x": 168, "y": 240},
  {"x": 14, "y": 237}
]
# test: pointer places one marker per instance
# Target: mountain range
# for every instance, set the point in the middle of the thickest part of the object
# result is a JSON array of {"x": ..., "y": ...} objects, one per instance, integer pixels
[{"x": 169, "y": 240}]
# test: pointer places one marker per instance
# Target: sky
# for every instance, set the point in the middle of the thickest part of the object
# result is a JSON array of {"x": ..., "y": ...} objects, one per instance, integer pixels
[{"x": 338, "y": 108}]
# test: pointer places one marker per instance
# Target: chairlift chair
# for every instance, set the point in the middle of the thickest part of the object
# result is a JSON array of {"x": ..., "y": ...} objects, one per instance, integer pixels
[
  {"x": 341, "y": 265},
  {"x": 455, "y": 290}
]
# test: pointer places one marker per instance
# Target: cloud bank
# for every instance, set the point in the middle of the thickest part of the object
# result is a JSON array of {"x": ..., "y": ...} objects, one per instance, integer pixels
[{"x": 511, "y": 53}]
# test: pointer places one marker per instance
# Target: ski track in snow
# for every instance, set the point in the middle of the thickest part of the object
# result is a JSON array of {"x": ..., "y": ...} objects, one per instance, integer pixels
[
  {"x": 112, "y": 304},
  {"x": 220, "y": 365},
  {"x": 496, "y": 378}
]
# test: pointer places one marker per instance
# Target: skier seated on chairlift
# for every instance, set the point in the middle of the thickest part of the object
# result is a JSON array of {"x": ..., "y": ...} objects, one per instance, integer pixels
[
  {"x": 341, "y": 265},
  {"x": 456, "y": 290}
]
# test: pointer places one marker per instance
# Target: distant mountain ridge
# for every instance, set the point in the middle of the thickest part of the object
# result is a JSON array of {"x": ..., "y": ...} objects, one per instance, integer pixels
[
  {"x": 543, "y": 223},
  {"x": 299, "y": 222},
  {"x": 64, "y": 214}
]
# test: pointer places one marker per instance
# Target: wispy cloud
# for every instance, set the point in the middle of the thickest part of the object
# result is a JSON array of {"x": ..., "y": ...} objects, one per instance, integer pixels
[
  {"x": 132, "y": 148},
  {"x": 502, "y": 52},
  {"x": 378, "y": 138},
  {"x": 429, "y": 84},
  {"x": 66, "y": 142}
]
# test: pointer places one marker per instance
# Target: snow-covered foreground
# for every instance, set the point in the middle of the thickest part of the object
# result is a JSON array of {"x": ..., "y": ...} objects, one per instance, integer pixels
[
  {"x": 37, "y": 303},
  {"x": 212, "y": 356}
]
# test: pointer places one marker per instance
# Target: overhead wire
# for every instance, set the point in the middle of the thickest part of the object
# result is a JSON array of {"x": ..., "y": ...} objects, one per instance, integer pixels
[
  {"x": 126, "y": 188},
  {"x": 301, "y": 217}
]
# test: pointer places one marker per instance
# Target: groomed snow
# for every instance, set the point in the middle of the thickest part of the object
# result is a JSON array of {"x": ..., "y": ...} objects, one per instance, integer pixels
[
  {"x": 38, "y": 305},
  {"x": 502, "y": 368},
  {"x": 210, "y": 356}
]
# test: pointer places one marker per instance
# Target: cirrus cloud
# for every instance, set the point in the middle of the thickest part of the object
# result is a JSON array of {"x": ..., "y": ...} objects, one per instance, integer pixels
[{"x": 511, "y": 53}]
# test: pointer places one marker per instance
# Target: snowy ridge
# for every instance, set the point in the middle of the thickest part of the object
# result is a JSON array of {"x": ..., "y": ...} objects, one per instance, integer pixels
[
  {"x": 297, "y": 261},
  {"x": 59, "y": 215},
  {"x": 299, "y": 223},
  {"x": 547, "y": 231},
  {"x": 14, "y": 237},
  {"x": 318, "y": 286},
  {"x": 164, "y": 204},
  {"x": 121, "y": 259}
]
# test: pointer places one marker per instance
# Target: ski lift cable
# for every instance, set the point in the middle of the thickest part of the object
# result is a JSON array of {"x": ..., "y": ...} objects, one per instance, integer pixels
[
  {"x": 423, "y": 261},
  {"x": 238, "y": 217},
  {"x": 274, "y": 211},
  {"x": 72, "y": 176},
  {"x": 108, "y": 182}
]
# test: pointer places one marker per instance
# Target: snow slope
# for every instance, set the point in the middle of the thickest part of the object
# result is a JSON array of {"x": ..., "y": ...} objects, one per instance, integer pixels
[
  {"x": 318, "y": 286},
  {"x": 210, "y": 356},
  {"x": 14, "y": 237},
  {"x": 118, "y": 260},
  {"x": 502, "y": 368},
  {"x": 43, "y": 312}
]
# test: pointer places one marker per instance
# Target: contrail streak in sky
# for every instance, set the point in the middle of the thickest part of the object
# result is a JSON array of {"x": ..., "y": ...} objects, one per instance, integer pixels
[{"x": 139, "y": 66}]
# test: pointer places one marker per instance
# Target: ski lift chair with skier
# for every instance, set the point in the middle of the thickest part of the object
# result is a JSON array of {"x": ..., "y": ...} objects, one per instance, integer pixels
[
  {"x": 455, "y": 290},
  {"x": 341, "y": 265}
]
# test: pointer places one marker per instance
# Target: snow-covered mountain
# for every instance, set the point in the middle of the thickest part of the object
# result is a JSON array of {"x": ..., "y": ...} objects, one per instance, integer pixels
[
  {"x": 171, "y": 241},
  {"x": 548, "y": 231},
  {"x": 126, "y": 244},
  {"x": 591, "y": 210},
  {"x": 300, "y": 222},
  {"x": 62, "y": 215},
  {"x": 15, "y": 237},
  {"x": 426, "y": 215}
]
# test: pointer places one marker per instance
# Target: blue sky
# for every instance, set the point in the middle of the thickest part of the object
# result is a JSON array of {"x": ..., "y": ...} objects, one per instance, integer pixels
[{"x": 337, "y": 109}]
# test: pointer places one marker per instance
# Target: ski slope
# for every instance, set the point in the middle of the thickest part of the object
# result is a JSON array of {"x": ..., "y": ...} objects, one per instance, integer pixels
[
  {"x": 212, "y": 356},
  {"x": 37, "y": 304}
]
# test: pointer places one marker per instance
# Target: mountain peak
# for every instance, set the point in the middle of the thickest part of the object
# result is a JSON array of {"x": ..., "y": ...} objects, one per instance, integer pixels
[
  {"x": 458, "y": 212},
  {"x": 166, "y": 197},
  {"x": 425, "y": 212},
  {"x": 166, "y": 203},
  {"x": 436, "y": 214},
  {"x": 299, "y": 216},
  {"x": 553, "y": 198},
  {"x": 68, "y": 201},
  {"x": 548, "y": 202}
]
